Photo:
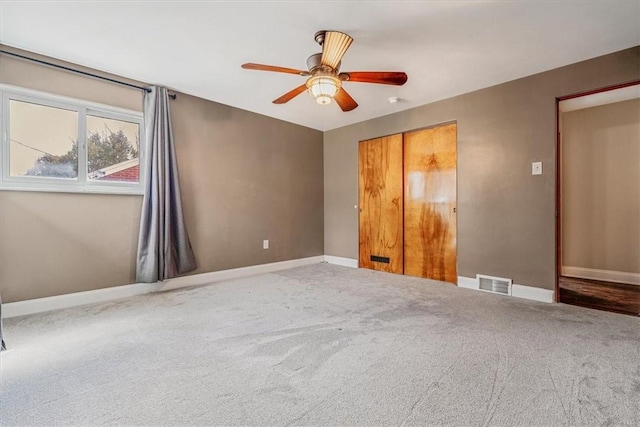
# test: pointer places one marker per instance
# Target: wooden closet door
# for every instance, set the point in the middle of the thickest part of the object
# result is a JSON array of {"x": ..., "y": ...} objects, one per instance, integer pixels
[
  {"x": 430, "y": 202},
  {"x": 380, "y": 204}
]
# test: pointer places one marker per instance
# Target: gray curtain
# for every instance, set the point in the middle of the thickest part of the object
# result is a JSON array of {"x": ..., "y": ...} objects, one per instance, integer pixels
[
  {"x": 2, "y": 346},
  {"x": 164, "y": 250}
]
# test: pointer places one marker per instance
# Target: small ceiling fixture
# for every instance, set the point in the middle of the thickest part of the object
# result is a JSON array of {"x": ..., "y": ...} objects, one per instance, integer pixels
[{"x": 325, "y": 81}]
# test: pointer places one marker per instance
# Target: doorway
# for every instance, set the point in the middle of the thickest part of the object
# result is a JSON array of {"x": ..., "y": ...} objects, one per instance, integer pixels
[
  {"x": 407, "y": 203},
  {"x": 598, "y": 187}
]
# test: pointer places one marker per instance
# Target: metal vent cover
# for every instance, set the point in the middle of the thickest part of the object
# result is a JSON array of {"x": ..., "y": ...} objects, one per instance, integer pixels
[{"x": 497, "y": 285}]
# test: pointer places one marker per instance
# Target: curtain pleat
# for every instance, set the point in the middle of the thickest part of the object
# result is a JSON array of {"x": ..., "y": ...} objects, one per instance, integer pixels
[
  {"x": 2, "y": 345},
  {"x": 164, "y": 249}
]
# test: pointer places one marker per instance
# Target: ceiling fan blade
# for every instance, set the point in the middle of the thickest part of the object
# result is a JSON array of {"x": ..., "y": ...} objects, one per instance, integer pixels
[
  {"x": 345, "y": 101},
  {"x": 397, "y": 78},
  {"x": 262, "y": 67},
  {"x": 290, "y": 95},
  {"x": 334, "y": 47}
]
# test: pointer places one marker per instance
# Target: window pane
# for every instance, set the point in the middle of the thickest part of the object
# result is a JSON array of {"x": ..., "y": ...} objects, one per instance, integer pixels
[
  {"x": 43, "y": 141},
  {"x": 112, "y": 150}
]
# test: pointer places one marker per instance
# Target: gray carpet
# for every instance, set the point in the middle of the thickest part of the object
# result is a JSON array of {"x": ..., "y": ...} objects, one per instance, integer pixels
[{"x": 322, "y": 345}]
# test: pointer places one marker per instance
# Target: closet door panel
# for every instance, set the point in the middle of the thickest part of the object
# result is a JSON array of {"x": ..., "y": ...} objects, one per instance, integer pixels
[
  {"x": 430, "y": 203},
  {"x": 380, "y": 204}
]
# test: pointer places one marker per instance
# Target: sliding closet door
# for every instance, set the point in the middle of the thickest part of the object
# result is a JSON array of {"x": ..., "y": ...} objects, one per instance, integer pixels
[
  {"x": 380, "y": 203},
  {"x": 430, "y": 203}
]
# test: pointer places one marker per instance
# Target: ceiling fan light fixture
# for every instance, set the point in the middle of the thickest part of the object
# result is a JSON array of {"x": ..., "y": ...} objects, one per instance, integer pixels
[
  {"x": 323, "y": 88},
  {"x": 323, "y": 100}
]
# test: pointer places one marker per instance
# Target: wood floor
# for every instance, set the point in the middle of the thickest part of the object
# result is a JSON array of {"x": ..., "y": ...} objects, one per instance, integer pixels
[{"x": 616, "y": 297}]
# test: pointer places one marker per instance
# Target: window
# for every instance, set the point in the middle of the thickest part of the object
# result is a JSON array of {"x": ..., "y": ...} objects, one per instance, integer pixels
[{"x": 52, "y": 143}]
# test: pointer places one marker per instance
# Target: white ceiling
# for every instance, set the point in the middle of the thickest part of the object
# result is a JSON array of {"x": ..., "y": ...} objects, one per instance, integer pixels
[
  {"x": 446, "y": 47},
  {"x": 600, "y": 98}
]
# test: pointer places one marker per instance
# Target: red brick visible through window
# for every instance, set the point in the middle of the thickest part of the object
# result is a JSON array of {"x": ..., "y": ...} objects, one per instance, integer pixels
[{"x": 131, "y": 174}]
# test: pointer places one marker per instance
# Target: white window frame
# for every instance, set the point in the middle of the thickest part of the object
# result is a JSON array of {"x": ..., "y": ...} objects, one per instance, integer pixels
[{"x": 81, "y": 184}]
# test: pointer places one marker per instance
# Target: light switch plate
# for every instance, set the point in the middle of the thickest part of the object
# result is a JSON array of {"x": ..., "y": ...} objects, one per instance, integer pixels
[
  {"x": 536, "y": 168},
  {"x": 265, "y": 244}
]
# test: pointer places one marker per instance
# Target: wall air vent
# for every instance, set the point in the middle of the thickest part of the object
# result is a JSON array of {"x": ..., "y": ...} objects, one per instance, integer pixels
[{"x": 497, "y": 285}]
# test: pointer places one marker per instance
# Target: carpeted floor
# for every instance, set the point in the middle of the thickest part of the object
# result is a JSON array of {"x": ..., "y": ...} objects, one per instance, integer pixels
[{"x": 323, "y": 345}]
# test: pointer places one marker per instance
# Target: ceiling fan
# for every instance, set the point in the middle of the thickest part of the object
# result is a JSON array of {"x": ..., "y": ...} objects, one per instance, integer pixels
[{"x": 325, "y": 79}]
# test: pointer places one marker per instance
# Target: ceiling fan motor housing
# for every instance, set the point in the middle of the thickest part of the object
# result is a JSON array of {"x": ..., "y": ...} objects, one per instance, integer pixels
[{"x": 314, "y": 63}]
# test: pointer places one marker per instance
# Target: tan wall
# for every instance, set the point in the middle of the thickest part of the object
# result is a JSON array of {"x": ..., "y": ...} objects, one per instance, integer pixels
[
  {"x": 506, "y": 216},
  {"x": 601, "y": 187},
  {"x": 58, "y": 243},
  {"x": 244, "y": 178}
]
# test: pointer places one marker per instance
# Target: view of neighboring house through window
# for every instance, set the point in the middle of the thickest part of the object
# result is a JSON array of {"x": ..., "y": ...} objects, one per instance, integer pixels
[
  {"x": 112, "y": 149},
  {"x": 61, "y": 144}
]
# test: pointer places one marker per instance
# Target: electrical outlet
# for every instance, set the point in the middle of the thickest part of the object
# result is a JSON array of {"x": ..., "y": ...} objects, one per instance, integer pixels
[
  {"x": 265, "y": 244},
  {"x": 536, "y": 168}
]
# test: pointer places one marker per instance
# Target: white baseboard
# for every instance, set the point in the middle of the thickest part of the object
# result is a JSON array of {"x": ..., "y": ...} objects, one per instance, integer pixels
[
  {"x": 604, "y": 275},
  {"x": 345, "y": 262},
  {"x": 58, "y": 302},
  {"x": 39, "y": 305},
  {"x": 535, "y": 294},
  {"x": 236, "y": 273},
  {"x": 518, "y": 291},
  {"x": 468, "y": 283}
]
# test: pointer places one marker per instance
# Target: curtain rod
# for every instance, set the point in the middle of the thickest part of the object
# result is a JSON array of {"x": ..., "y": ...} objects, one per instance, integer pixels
[{"x": 84, "y": 73}]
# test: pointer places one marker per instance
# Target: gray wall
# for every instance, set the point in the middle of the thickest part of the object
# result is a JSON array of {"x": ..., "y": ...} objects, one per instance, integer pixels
[
  {"x": 244, "y": 177},
  {"x": 601, "y": 187},
  {"x": 506, "y": 216}
]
